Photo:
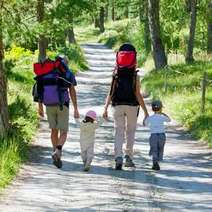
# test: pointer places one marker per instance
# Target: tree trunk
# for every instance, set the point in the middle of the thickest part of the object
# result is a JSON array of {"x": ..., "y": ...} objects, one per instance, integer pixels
[
  {"x": 70, "y": 31},
  {"x": 96, "y": 22},
  {"x": 140, "y": 11},
  {"x": 113, "y": 10},
  {"x": 209, "y": 42},
  {"x": 147, "y": 42},
  {"x": 159, "y": 55},
  {"x": 71, "y": 36},
  {"x": 101, "y": 19},
  {"x": 42, "y": 42},
  {"x": 189, "y": 54},
  {"x": 106, "y": 11},
  {"x": 126, "y": 12},
  {"x": 4, "y": 116}
]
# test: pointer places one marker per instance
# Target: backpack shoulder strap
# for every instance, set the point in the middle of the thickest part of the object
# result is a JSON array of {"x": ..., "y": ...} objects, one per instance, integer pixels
[
  {"x": 135, "y": 80},
  {"x": 113, "y": 83}
]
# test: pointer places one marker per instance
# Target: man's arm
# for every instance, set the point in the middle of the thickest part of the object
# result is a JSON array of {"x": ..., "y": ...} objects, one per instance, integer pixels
[
  {"x": 73, "y": 95},
  {"x": 40, "y": 109},
  {"x": 140, "y": 97}
]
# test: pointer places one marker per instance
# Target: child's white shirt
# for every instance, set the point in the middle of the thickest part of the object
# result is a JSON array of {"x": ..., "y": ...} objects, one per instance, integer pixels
[
  {"x": 156, "y": 122},
  {"x": 87, "y": 130}
]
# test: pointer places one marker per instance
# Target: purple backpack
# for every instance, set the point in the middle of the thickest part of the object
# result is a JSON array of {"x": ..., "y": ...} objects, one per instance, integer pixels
[{"x": 53, "y": 91}]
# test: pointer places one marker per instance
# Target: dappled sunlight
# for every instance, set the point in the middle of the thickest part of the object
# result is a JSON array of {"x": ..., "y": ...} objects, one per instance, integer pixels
[{"x": 183, "y": 183}]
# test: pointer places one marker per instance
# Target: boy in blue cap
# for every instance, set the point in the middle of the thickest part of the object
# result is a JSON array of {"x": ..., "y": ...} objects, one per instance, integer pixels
[{"x": 158, "y": 138}]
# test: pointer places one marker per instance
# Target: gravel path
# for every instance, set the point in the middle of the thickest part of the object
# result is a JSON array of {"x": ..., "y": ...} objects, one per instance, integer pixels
[{"x": 183, "y": 184}]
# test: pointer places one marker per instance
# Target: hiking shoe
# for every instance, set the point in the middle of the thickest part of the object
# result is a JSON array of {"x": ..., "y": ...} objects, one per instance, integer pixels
[
  {"x": 156, "y": 166},
  {"x": 119, "y": 163},
  {"x": 129, "y": 162},
  {"x": 56, "y": 156},
  {"x": 87, "y": 168}
]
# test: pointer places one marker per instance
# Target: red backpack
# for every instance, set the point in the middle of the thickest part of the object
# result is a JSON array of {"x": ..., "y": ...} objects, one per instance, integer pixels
[
  {"x": 126, "y": 57},
  {"x": 124, "y": 78},
  {"x": 47, "y": 66}
]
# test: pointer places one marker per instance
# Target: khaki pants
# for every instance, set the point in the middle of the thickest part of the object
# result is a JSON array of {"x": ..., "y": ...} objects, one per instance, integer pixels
[
  {"x": 87, "y": 152},
  {"x": 58, "y": 119},
  {"x": 125, "y": 120}
]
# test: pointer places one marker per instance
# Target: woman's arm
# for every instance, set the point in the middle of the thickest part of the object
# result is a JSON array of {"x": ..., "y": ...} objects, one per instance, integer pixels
[
  {"x": 140, "y": 97},
  {"x": 107, "y": 103}
]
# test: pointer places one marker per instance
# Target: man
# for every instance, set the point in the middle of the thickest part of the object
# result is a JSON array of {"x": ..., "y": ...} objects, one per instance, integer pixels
[{"x": 58, "y": 115}]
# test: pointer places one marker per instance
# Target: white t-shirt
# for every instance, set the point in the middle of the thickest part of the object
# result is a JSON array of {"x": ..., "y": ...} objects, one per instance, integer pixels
[
  {"x": 156, "y": 122},
  {"x": 87, "y": 130}
]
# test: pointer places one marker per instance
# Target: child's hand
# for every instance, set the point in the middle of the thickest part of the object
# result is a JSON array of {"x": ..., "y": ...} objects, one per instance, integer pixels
[{"x": 105, "y": 115}]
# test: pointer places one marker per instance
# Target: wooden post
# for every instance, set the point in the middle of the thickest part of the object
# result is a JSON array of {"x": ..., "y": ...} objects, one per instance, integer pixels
[
  {"x": 165, "y": 83},
  {"x": 203, "y": 88}
]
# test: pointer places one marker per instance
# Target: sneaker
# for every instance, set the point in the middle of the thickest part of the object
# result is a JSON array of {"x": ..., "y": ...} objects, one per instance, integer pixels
[
  {"x": 129, "y": 162},
  {"x": 156, "y": 166},
  {"x": 119, "y": 163},
  {"x": 87, "y": 168},
  {"x": 56, "y": 156}
]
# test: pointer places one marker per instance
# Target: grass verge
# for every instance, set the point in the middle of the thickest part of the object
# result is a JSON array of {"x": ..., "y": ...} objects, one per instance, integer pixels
[{"x": 179, "y": 86}]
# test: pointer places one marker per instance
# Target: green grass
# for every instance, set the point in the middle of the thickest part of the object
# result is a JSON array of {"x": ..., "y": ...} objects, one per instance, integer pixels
[
  {"x": 179, "y": 87},
  {"x": 23, "y": 118},
  {"x": 86, "y": 34}
]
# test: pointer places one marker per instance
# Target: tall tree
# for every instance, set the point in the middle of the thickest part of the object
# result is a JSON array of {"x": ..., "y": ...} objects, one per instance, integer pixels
[
  {"x": 159, "y": 55},
  {"x": 4, "y": 117},
  {"x": 42, "y": 41},
  {"x": 144, "y": 11},
  {"x": 113, "y": 10},
  {"x": 70, "y": 29},
  {"x": 209, "y": 41},
  {"x": 102, "y": 19},
  {"x": 190, "y": 47}
]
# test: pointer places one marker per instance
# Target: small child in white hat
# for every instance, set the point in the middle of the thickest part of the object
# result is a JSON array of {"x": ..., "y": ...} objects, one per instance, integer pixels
[{"x": 87, "y": 137}]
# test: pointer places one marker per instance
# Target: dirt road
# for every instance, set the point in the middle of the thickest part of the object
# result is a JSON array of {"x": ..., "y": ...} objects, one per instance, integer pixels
[{"x": 183, "y": 184}]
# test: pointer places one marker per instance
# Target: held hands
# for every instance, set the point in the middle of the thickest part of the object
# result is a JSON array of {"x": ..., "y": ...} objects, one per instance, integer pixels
[
  {"x": 145, "y": 117},
  {"x": 105, "y": 115},
  {"x": 76, "y": 114}
]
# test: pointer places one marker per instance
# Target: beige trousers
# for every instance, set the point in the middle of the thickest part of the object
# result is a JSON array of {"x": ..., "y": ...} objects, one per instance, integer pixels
[
  {"x": 125, "y": 121},
  {"x": 87, "y": 152}
]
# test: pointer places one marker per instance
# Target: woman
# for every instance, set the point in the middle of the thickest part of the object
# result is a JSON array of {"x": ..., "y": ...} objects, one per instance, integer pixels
[{"x": 126, "y": 98}]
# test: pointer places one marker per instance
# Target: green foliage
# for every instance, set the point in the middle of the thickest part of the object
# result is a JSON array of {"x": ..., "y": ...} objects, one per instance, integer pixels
[
  {"x": 12, "y": 153},
  {"x": 76, "y": 57},
  {"x": 16, "y": 53},
  {"x": 128, "y": 30},
  {"x": 179, "y": 87},
  {"x": 86, "y": 34},
  {"x": 23, "y": 116}
]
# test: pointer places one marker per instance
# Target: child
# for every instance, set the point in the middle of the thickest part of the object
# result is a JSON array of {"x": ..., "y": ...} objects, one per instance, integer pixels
[
  {"x": 158, "y": 137},
  {"x": 87, "y": 137}
]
